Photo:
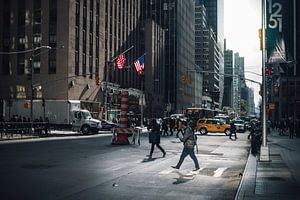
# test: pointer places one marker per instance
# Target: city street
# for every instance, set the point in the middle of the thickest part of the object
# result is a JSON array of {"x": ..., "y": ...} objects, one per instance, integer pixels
[{"x": 92, "y": 168}]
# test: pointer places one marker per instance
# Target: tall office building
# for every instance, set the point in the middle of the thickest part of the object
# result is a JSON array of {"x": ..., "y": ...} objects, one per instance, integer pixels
[
  {"x": 177, "y": 19},
  {"x": 123, "y": 28},
  {"x": 201, "y": 49},
  {"x": 237, "y": 82},
  {"x": 251, "y": 105},
  {"x": 73, "y": 29},
  {"x": 154, "y": 69},
  {"x": 215, "y": 13},
  {"x": 215, "y": 18},
  {"x": 228, "y": 79}
]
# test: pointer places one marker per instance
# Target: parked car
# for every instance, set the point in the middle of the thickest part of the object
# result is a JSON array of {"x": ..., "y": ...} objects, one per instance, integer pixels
[
  {"x": 213, "y": 126},
  {"x": 239, "y": 125},
  {"x": 108, "y": 125}
]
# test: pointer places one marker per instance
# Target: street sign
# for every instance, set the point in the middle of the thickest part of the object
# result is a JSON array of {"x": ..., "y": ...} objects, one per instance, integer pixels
[
  {"x": 142, "y": 101},
  {"x": 271, "y": 106}
]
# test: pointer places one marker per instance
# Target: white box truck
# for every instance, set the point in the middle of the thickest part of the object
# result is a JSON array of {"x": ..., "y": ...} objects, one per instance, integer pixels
[{"x": 61, "y": 113}]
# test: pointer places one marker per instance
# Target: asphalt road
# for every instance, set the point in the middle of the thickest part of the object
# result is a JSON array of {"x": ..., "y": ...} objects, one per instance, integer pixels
[{"x": 92, "y": 168}]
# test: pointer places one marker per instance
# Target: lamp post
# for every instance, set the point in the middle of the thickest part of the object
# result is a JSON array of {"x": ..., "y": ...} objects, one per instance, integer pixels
[
  {"x": 264, "y": 149},
  {"x": 32, "y": 81}
]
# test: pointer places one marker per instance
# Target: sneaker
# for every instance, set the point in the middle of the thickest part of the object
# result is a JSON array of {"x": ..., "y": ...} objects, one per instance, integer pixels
[
  {"x": 174, "y": 167},
  {"x": 164, "y": 154}
]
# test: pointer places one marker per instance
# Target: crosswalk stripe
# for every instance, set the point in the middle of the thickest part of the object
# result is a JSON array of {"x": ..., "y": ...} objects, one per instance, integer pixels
[
  {"x": 167, "y": 171},
  {"x": 219, "y": 171}
]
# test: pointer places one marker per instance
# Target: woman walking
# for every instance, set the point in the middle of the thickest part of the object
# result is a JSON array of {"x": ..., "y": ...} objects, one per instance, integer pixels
[{"x": 154, "y": 137}]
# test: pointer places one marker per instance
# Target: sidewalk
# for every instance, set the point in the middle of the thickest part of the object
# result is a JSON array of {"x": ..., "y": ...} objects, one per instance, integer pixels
[
  {"x": 55, "y": 134},
  {"x": 277, "y": 179}
]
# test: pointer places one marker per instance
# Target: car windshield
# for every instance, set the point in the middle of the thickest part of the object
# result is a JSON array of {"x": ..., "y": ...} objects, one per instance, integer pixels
[{"x": 86, "y": 115}]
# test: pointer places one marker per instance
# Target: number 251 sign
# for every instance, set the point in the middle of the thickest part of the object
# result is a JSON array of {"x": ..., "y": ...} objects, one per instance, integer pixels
[{"x": 274, "y": 15}]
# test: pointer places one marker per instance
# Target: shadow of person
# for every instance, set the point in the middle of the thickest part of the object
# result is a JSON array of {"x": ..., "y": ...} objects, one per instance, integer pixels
[
  {"x": 183, "y": 178},
  {"x": 148, "y": 160}
]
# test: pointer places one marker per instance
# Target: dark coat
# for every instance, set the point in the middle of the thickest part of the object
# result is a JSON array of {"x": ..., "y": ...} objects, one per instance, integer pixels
[
  {"x": 232, "y": 127},
  {"x": 154, "y": 134}
]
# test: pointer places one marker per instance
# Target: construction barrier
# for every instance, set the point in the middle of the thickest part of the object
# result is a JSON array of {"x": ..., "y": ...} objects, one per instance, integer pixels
[{"x": 120, "y": 135}]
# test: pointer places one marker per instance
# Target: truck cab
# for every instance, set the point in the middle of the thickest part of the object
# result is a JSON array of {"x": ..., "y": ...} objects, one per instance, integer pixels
[{"x": 84, "y": 122}]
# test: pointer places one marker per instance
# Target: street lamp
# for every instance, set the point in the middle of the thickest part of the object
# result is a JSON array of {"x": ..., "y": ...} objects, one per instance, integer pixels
[
  {"x": 32, "y": 76},
  {"x": 264, "y": 149}
]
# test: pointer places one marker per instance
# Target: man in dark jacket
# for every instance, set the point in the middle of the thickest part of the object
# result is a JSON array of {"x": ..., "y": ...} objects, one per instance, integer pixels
[
  {"x": 189, "y": 142},
  {"x": 154, "y": 137},
  {"x": 232, "y": 130}
]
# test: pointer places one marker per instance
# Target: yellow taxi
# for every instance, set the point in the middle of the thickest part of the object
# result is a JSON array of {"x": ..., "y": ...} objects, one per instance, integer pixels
[{"x": 213, "y": 126}]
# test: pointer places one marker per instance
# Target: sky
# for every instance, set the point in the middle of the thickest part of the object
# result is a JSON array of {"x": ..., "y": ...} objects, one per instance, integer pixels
[{"x": 242, "y": 19}]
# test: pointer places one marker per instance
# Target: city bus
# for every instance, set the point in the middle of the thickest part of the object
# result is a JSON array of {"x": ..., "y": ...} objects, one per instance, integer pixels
[{"x": 199, "y": 113}]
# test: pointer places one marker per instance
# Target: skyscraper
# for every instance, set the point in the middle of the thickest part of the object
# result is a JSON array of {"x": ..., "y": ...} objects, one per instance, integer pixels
[
  {"x": 177, "y": 19},
  {"x": 228, "y": 79}
]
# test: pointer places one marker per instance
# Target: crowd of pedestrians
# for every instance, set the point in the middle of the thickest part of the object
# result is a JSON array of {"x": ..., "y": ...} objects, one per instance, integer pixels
[{"x": 285, "y": 126}]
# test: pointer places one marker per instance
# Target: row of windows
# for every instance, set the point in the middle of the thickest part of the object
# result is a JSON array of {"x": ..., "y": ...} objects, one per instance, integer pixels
[
  {"x": 23, "y": 41},
  {"x": 84, "y": 38}
]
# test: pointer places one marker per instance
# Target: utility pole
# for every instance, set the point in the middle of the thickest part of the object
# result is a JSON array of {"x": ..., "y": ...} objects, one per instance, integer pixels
[
  {"x": 32, "y": 81},
  {"x": 264, "y": 149}
]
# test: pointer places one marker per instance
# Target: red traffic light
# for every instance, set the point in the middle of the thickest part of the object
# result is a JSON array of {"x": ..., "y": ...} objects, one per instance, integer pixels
[{"x": 268, "y": 72}]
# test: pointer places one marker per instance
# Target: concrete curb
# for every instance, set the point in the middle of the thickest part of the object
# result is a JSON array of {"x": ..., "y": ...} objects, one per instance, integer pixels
[{"x": 247, "y": 176}]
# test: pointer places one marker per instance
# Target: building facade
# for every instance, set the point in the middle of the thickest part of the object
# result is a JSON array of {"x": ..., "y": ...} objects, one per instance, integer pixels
[
  {"x": 177, "y": 19},
  {"x": 237, "y": 82},
  {"x": 284, "y": 82},
  {"x": 228, "y": 78},
  {"x": 51, "y": 37},
  {"x": 154, "y": 68}
]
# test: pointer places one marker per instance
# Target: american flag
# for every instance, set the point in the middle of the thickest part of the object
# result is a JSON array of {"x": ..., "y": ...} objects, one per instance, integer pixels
[
  {"x": 140, "y": 64},
  {"x": 120, "y": 61}
]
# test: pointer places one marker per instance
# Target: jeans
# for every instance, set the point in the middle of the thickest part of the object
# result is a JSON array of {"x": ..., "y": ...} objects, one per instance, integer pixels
[
  {"x": 158, "y": 146},
  {"x": 185, "y": 152}
]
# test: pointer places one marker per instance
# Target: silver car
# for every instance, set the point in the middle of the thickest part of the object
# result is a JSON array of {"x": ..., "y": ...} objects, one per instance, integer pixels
[{"x": 240, "y": 125}]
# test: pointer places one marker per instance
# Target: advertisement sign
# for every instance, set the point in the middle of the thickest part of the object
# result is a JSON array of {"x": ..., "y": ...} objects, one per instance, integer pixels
[{"x": 275, "y": 44}]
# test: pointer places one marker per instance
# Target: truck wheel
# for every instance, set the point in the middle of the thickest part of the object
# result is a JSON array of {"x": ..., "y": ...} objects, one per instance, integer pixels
[
  {"x": 227, "y": 131},
  {"x": 85, "y": 129},
  {"x": 203, "y": 131}
]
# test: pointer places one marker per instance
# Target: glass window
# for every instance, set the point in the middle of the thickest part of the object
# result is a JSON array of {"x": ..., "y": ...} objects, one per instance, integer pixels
[
  {"x": 37, "y": 67},
  {"x": 52, "y": 67}
]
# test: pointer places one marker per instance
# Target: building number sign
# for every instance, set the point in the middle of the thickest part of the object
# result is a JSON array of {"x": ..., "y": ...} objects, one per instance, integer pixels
[{"x": 274, "y": 15}]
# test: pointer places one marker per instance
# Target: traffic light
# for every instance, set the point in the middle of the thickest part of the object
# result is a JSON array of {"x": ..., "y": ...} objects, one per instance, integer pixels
[{"x": 268, "y": 71}]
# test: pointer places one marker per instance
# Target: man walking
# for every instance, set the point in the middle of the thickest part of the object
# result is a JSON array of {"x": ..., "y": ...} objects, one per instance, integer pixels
[
  {"x": 189, "y": 142},
  {"x": 154, "y": 137},
  {"x": 232, "y": 130}
]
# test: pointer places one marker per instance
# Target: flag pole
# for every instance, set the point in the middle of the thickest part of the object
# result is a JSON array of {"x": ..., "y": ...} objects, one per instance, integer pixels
[
  {"x": 112, "y": 60},
  {"x": 108, "y": 63}
]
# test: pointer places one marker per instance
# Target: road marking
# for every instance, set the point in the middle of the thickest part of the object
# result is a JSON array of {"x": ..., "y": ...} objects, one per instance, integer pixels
[
  {"x": 167, "y": 171},
  {"x": 219, "y": 171},
  {"x": 115, "y": 169}
]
